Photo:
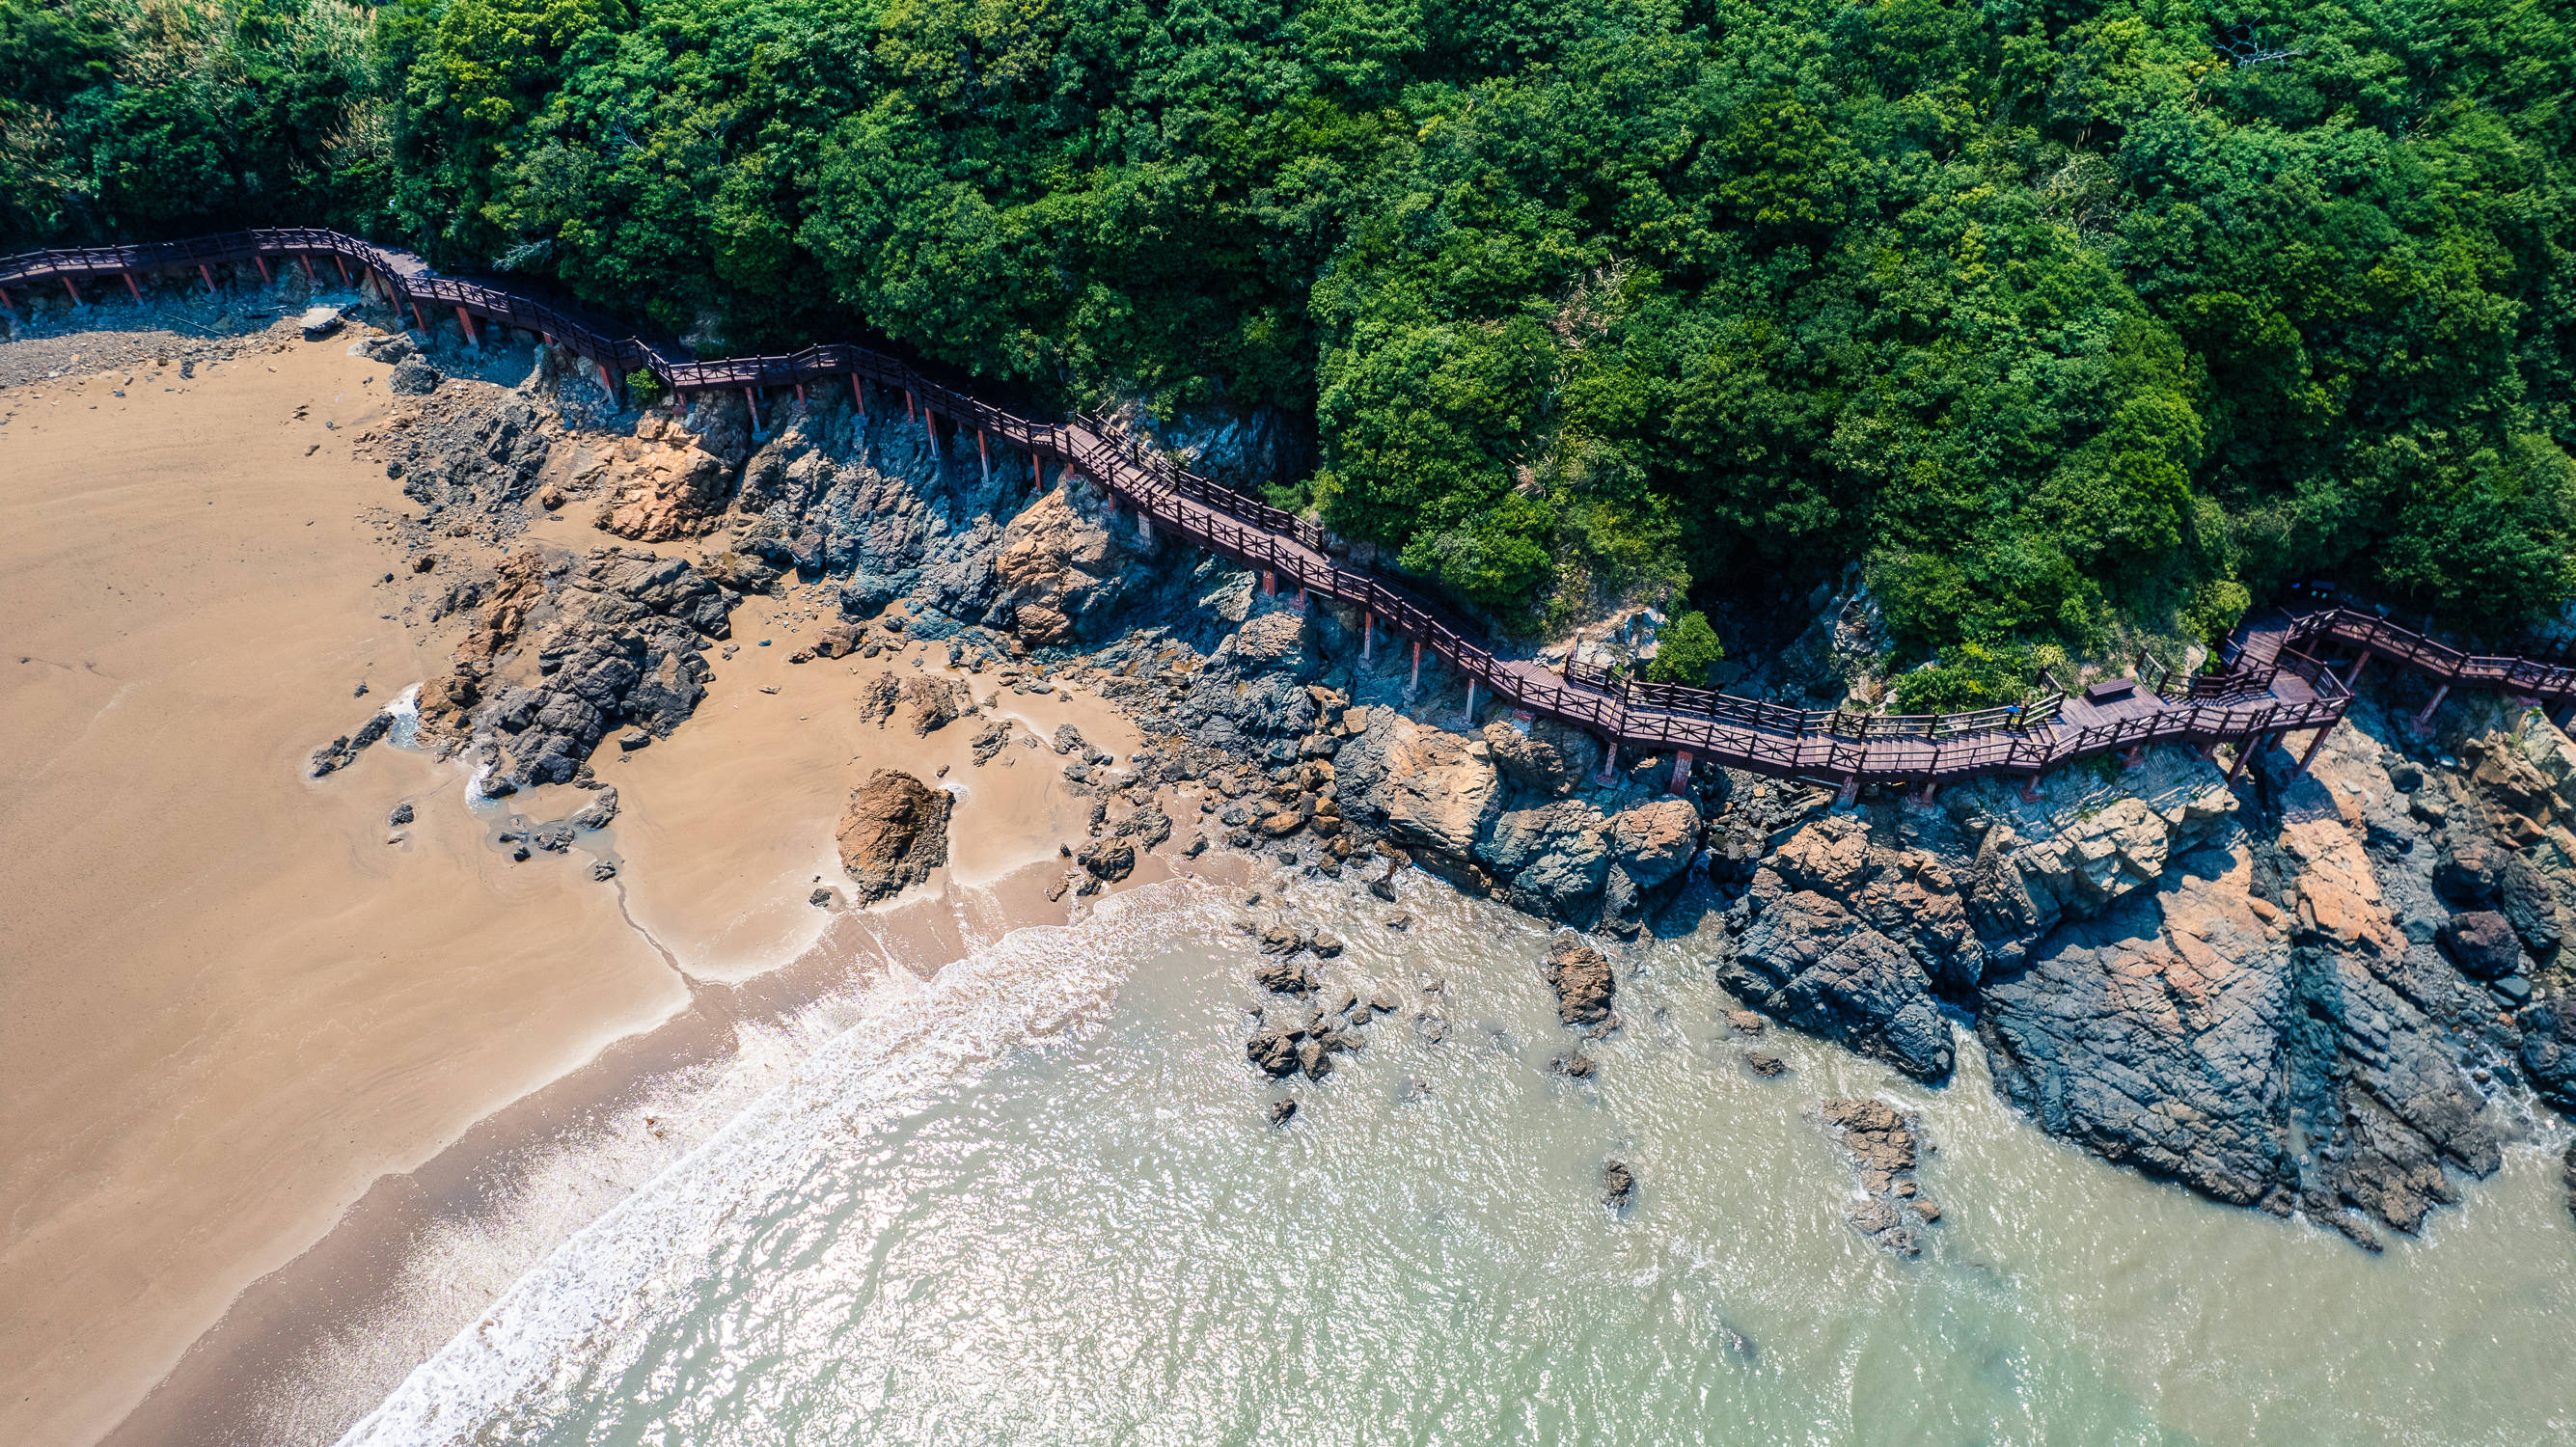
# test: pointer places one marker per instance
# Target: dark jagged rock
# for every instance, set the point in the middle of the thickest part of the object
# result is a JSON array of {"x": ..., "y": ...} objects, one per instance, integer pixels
[
  {"x": 990, "y": 740},
  {"x": 598, "y": 813},
  {"x": 344, "y": 750},
  {"x": 1618, "y": 1184},
  {"x": 2549, "y": 1052},
  {"x": 2482, "y": 944},
  {"x": 413, "y": 377},
  {"x": 1285, "y": 977},
  {"x": 401, "y": 815},
  {"x": 1109, "y": 860},
  {"x": 615, "y": 636}
]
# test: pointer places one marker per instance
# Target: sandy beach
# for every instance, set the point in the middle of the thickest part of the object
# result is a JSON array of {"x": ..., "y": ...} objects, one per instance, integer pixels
[{"x": 248, "y": 1015}]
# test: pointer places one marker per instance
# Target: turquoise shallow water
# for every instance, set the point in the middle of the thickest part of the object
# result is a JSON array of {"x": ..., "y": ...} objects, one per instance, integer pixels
[{"x": 1035, "y": 1201}]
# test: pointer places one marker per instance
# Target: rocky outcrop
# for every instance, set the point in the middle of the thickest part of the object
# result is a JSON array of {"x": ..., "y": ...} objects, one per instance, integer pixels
[
  {"x": 1107, "y": 860},
  {"x": 1882, "y": 1143},
  {"x": 2297, "y": 994},
  {"x": 1057, "y": 571},
  {"x": 1427, "y": 790},
  {"x": 1580, "y": 975},
  {"x": 614, "y": 638},
  {"x": 894, "y": 832},
  {"x": 680, "y": 494},
  {"x": 932, "y": 703}
]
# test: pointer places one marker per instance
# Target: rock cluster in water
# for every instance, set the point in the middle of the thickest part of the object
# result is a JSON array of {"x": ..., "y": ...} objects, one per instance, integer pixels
[{"x": 1882, "y": 1142}]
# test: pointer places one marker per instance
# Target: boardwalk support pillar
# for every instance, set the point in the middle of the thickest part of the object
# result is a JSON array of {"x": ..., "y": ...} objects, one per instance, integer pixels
[
  {"x": 136, "y": 291},
  {"x": 1269, "y": 583},
  {"x": 984, "y": 455},
  {"x": 465, "y": 320},
  {"x": 342, "y": 262},
  {"x": 2030, "y": 789},
  {"x": 1850, "y": 791},
  {"x": 751, "y": 399},
  {"x": 907, "y": 404},
  {"x": 74, "y": 290},
  {"x": 209, "y": 278},
  {"x": 262, "y": 263},
  {"x": 1368, "y": 634},
  {"x": 307, "y": 258},
  {"x": 1609, "y": 761},
  {"x": 608, "y": 384},
  {"x": 2352, "y": 680},
  {"x": 858, "y": 394},
  {"x": 1037, "y": 473},
  {"x": 2424, "y": 720},
  {"x": 1929, "y": 785},
  {"x": 1144, "y": 527},
  {"x": 2314, "y": 745},
  {"x": 1416, "y": 685},
  {"x": 1681, "y": 771},
  {"x": 2132, "y": 758},
  {"x": 2244, "y": 751},
  {"x": 1467, "y": 720},
  {"x": 800, "y": 396},
  {"x": 1300, "y": 606},
  {"x": 8, "y": 308}
]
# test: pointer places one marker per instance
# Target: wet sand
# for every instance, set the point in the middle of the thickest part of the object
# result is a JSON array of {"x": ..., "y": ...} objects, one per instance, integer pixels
[{"x": 257, "y": 1047}]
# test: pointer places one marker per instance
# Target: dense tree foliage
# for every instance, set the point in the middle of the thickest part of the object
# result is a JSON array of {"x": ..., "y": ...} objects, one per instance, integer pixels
[{"x": 2073, "y": 320}]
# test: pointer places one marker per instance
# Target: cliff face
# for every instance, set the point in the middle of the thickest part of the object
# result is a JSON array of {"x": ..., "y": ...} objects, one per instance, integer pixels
[{"x": 2300, "y": 993}]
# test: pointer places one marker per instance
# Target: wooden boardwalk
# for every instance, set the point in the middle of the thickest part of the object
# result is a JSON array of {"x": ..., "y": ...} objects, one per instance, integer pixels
[{"x": 2272, "y": 683}]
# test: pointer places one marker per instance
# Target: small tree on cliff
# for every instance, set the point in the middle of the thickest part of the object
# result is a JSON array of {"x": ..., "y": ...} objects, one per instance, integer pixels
[{"x": 1689, "y": 649}]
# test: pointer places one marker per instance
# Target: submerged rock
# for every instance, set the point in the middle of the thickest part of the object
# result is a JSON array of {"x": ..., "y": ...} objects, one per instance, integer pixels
[
  {"x": 1881, "y": 1142},
  {"x": 1581, "y": 977},
  {"x": 1618, "y": 1184}
]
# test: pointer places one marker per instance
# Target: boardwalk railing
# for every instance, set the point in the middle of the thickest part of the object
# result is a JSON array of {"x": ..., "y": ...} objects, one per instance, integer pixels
[{"x": 2239, "y": 704}]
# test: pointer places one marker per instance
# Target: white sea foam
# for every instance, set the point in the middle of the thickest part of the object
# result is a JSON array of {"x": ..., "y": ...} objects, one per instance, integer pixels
[
  {"x": 405, "y": 708},
  {"x": 910, "y": 1044}
]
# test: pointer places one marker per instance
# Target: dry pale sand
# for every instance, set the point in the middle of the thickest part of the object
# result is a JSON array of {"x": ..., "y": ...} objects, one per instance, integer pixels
[
  {"x": 231, "y": 1003},
  {"x": 235, "y": 1006}
]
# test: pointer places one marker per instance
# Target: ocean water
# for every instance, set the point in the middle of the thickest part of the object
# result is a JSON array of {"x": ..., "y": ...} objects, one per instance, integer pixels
[{"x": 1035, "y": 1199}]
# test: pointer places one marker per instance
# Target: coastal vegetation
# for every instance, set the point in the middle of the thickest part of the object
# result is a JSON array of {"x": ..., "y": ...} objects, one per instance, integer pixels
[{"x": 2074, "y": 322}]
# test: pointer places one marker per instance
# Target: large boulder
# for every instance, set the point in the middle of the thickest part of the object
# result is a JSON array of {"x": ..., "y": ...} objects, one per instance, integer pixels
[
  {"x": 1805, "y": 960},
  {"x": 1580, "y": 975},
  {"x": 2482, "y": 944},
  {"x": 1428, "y": 790},
  {"x": 1549, "y": 860},
  {"x": 668, "y": 491},
  {"x": 894, "y": 832},
  {"x": 1653, "y": 841},
  {"x": 1056, "y": 569}
]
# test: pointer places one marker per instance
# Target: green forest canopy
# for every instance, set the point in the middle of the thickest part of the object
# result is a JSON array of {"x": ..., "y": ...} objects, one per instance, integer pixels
[{"x": 2074, "y": 321}]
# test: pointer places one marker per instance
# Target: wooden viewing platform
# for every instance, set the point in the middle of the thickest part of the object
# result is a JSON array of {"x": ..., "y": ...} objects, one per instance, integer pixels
[{"x": 2271, "y": 683}]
